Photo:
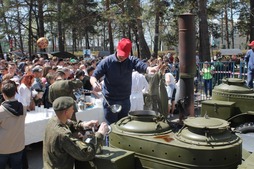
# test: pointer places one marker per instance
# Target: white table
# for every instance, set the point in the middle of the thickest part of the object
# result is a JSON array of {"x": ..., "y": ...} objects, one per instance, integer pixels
[{"x": 36, "y": 122}]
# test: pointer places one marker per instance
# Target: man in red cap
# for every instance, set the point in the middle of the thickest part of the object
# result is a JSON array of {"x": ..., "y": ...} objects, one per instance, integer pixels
[
  {"x": 249, "y": 58},
  {"x": 117, "y": 72}
]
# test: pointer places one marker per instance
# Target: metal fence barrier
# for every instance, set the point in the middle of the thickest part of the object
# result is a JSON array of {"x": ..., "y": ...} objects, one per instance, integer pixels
[{"x": 220, "y": 70}]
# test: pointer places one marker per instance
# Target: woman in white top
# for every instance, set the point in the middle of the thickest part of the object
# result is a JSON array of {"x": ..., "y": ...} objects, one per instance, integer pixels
[
  {"x": 25, "y": 94},
  {"x": 139, "y": 86},
  {"x": 170, "y": 87}
]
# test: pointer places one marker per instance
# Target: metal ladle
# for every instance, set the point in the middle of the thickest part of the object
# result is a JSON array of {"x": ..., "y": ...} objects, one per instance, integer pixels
[{"x": 115, "y": 108}]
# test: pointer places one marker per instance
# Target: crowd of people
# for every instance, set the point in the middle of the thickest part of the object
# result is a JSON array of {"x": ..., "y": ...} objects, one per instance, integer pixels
[
  {"x": 211, "y": 73},
  {"x": 52, "y": 82}
]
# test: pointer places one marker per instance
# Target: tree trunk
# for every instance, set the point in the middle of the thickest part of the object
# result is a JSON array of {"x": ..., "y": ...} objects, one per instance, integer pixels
[
  {"x": 59, "y": 25},
  {"x": 130, "y": 37},
  {"x": 137, "y": 41},
  {"x": 156, "y": 31},
  {"x": 143, "y": 47},
  {"x": 41, "y": 18},
  {"x": 6, "y": 26},
  {"x": 74, "y": 39},
  {"x": 204, "y": 50},
  {"x": 19, "y": 29},
  {"x": 123, "y": 24},
  {"x": 232, "y": 24},
  {"x": 222, "y": 32},
  {"x": 53, "y": 36},
  {"x": 30, "y": 37},
  {"x": 87, "y": 40},
  {"x": 104, "y": 37},
  {"x": 110, "y": 35},
  {"x": 41, "y": 21},
  {"x": 251, "y": 20},
  {"x": 226, "y": 25},
  {"x": 1, "y": 52}
]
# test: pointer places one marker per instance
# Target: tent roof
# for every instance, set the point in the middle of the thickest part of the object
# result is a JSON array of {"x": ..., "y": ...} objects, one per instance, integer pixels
[
  {"x": 103, "y": 53},
  {"x": 231, "y": 52}
]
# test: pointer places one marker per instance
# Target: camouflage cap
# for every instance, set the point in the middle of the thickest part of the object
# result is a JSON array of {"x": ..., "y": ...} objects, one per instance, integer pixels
[
  {"x": 63, "y": 103},
  {"x": 60, "y": 70},
  {"x": 37, "y": 69}
]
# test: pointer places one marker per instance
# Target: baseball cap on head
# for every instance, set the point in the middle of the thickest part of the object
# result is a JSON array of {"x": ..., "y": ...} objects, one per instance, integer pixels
[
  {"x": 251, "y": 44},
  {"x": 37, "y": 69},
  {"x": 124, "y": 47}
]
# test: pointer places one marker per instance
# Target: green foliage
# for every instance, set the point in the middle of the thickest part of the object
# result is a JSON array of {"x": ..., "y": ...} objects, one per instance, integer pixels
[
  {"x": 89, "y": 17},
  {"x": 244, "y": 19}
]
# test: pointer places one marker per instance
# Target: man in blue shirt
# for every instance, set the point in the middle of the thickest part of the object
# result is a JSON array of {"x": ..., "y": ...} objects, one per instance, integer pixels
[
  {"x": 249, "y": 58},
  {"x": 117, "y": 72}
]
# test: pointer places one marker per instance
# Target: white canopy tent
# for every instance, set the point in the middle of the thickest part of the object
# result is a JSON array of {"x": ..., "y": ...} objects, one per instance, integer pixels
[{"x": 231, "y": 52}]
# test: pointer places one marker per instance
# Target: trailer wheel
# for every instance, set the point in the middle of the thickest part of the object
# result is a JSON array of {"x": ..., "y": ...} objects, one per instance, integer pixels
[{"x": 245, "y": 128}]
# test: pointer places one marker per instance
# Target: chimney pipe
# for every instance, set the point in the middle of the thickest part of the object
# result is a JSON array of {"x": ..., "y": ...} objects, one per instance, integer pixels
[{"x": 187, "y": 62}]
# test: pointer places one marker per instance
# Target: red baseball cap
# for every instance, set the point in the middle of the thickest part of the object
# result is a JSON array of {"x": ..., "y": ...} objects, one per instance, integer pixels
[
  {"x": 251, "y": 44},
  {"x": 124, "y": 47}
]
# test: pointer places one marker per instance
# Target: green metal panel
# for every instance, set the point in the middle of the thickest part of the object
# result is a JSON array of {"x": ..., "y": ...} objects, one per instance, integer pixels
[
  {"x": 235, "y": 90},
  {"x": 218, "y": 109},
  {"x": 112, "y": 158},
  {"x": 210, "y": 145}
]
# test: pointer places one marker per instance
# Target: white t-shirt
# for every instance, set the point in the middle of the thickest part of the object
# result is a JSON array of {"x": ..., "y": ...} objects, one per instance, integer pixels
[
  {"x": 24, "y": 95},
  {"x": 170, "y": 82},
  {"x": 138, "y": 87}
]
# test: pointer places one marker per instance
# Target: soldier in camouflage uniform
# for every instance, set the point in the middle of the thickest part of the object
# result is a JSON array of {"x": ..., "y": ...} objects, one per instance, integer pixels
[
  {"x": 62, "y": 87},
  {"x": 60, "y": 145}
]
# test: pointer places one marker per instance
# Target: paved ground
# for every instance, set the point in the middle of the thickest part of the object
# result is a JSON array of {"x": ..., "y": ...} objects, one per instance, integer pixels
[
  {"x": 35, "y": 156},
  {"x": 248, "y": 141}
]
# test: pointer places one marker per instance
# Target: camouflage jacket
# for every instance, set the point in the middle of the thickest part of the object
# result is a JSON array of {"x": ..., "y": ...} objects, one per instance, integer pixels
[
  {"x": 61, "y": 147},
  {"x": 63, "y": 88}
]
